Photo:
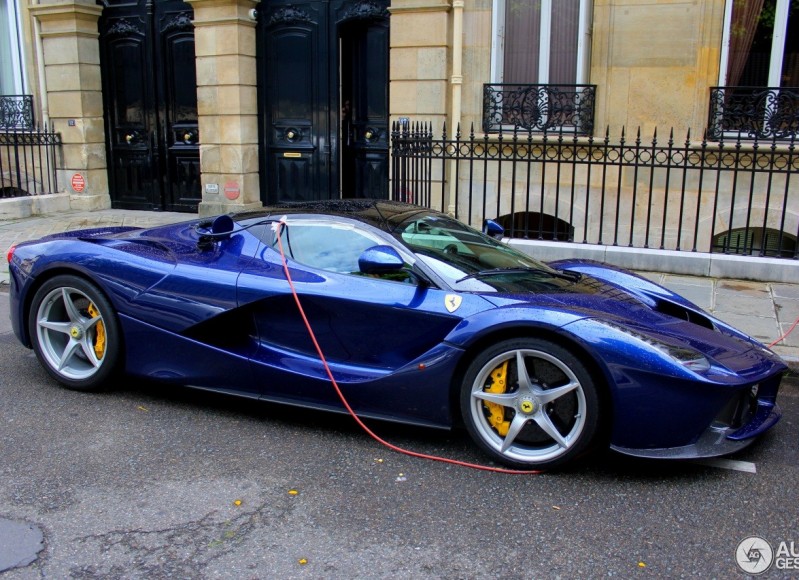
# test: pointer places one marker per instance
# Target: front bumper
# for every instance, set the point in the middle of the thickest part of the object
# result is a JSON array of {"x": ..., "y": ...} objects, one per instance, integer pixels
[{"x": 748, "y": 415}]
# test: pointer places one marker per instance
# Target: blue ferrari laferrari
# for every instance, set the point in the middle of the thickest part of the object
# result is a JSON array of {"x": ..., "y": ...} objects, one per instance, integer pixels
[{"x": 421, "y": 320}]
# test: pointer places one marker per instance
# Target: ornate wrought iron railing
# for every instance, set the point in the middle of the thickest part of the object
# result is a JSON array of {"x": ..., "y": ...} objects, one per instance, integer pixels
[
  {"x": 16, "y": 111},
  {"x": 567, "y": 108},
  {"x": 754, "y": 112},
  {"x": 734, "y": 197}
]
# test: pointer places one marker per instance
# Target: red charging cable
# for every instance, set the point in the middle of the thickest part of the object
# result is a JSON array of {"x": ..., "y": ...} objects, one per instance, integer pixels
[
  {"x": 278, "y": 228},
  {"x": 784, "y": 336}
]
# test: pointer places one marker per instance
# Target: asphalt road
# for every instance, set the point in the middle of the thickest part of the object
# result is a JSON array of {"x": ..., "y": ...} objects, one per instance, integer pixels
[{"x": 151, "y": 482}]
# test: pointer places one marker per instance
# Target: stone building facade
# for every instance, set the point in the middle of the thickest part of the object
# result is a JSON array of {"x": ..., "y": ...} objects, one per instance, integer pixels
[{"x": 653, "y": 65}]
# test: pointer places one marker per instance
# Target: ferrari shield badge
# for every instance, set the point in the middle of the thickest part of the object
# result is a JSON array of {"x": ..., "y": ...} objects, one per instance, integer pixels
[{"x": 452, "y": 302}]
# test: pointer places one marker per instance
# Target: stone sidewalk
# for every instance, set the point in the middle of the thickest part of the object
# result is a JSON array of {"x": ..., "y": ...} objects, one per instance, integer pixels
[{"x": 764, "y": 310}]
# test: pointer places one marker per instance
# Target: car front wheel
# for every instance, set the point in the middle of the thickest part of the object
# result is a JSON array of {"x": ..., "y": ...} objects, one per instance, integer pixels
[
  {"x": 75, "y": 332},
  {"x": 530, "y": 404}
]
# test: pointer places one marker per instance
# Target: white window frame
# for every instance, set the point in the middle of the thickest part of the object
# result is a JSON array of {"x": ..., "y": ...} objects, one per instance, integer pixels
[
  {"x": 777, "y": 43},
  {"x": 774, "y": 79},
  {"x": 583, "y": 41},
  {"x": 17, "y": 46}
]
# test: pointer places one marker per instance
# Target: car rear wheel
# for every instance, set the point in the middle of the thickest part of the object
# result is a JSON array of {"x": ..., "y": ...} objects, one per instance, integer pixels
[
  {"x": 530, "y": 404},
  {"x": 75, "y": 332}
]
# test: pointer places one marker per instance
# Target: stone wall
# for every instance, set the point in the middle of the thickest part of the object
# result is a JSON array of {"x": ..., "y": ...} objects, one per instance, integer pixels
[{"x": 653, "y": 62}]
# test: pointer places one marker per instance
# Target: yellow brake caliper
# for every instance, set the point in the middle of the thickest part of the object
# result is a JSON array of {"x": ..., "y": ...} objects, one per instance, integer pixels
[
  {"x": 499, "y": 384},
  {"x": 99, "y": 336}
]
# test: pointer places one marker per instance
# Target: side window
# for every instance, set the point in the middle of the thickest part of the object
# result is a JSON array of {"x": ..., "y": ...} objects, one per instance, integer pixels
[
  {"x": 423, "y": 236},
  {"x": 333, "y": 247},
  {"x": 325, "y": 246}
]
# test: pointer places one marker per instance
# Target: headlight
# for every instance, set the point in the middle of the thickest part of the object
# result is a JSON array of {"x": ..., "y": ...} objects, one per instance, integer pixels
[
  {"x": 686, "y": 356},
  {"x": 689, "y": 358}
]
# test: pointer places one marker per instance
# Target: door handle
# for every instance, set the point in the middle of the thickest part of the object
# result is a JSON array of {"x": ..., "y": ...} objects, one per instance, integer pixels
[
  {"x": 292, "y": 134},
  {"x": 371, "y": 134}
]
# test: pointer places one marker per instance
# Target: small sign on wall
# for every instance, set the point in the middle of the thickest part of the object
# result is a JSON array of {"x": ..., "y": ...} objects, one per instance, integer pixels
[
  {"x": 232, "y": 190},
  {"x": 78, "y": 183}
]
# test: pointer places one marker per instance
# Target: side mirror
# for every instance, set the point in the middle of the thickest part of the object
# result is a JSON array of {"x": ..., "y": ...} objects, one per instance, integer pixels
[
  {"x": 379, "y": 260},
  {"x": 493, "y": 229}
]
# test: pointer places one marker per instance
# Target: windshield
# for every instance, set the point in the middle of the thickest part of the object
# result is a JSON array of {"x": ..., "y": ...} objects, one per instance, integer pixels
[{"x": 470, "y": 260}]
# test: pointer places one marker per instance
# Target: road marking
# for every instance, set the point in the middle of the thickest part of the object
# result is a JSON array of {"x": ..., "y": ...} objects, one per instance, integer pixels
[{"x": 746, "y": 466}]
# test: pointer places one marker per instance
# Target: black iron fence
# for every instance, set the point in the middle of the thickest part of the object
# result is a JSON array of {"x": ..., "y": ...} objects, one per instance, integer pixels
[
  {"x": 735, "y": 197},
  {"x": 28, "y": 161}
]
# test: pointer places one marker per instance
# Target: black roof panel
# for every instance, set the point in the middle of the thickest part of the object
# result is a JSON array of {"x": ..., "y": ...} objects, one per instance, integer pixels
[{"x": 383, "y": 214}]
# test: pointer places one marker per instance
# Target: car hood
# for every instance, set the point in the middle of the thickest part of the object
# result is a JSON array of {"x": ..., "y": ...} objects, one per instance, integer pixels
[
  {"x": 591, "y": 297},
  {"x": 650, "y": 319}
]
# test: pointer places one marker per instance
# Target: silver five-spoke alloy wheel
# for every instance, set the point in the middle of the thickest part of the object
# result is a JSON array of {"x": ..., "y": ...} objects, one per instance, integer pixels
[
  {"x": 530, "y": 403},
  {"x": 74, "y": 332}
]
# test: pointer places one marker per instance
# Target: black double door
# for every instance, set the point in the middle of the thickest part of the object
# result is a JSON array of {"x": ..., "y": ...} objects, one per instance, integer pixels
[
  {"x": 150, "y": 97},
  {"x": 323, "y": 98}
]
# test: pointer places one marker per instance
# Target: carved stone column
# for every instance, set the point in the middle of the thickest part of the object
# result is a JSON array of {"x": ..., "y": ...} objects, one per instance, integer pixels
[
  {"x": 227, "y": 104},
  {"x": 74, "y": 93},
  {"x": 420, "y": 42},
  {"x": 423, "y": 84}
]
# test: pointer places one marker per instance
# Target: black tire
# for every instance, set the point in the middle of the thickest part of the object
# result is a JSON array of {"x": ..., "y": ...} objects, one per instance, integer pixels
[
  {"x": 75, "y": 333},
  {"x": 544, "y": 424}
]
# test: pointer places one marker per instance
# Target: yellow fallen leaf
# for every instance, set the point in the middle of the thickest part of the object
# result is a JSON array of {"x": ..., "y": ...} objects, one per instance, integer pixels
[
  {"x": 293, "y": 492},
  {"x": 302, "y": 561},
  {"x": 237, "y": 503},
  {"x": 140, "y": 408},
  {"x": 641, "y": 565}
]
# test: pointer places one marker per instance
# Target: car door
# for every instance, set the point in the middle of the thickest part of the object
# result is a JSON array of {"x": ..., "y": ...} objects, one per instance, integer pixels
[{"x": 367, "y": 327}]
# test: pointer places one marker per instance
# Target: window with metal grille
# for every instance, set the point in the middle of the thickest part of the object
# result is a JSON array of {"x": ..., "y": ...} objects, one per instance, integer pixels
[
  {"x": 756, "y": 241},
  {"x": 759, "y": 71},
  {"x": 539, "y": 66}
]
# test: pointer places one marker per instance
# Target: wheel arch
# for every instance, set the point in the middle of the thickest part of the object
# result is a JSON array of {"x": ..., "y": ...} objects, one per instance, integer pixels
[{"x": 598, "y": 371}]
